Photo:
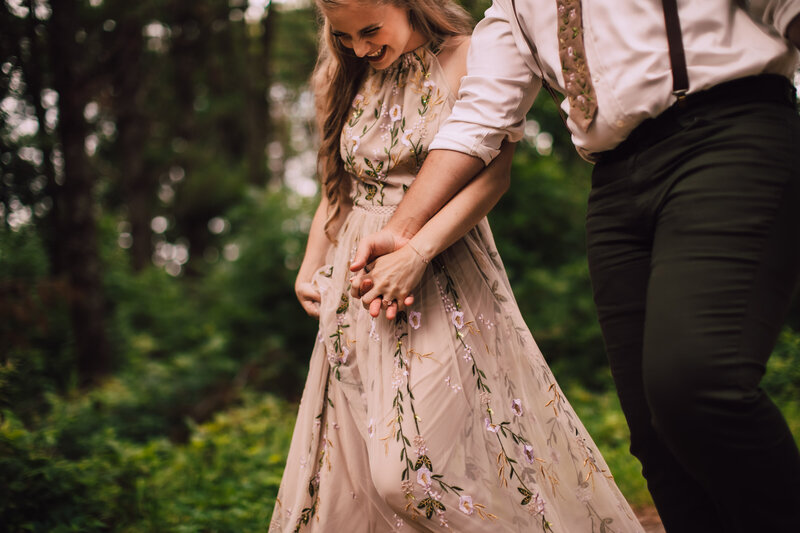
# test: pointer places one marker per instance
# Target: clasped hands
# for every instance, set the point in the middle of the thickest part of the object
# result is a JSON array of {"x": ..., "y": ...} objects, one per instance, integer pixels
[{"x": 386, "y": 270}]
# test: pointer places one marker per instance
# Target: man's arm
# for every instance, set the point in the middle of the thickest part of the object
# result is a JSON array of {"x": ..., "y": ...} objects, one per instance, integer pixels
[
  {"x": 780, "y": 14},
  {"x": 493, "y": 99},
  {"x": 397, "y": 273},
  {"x": 443, "y": 174}
]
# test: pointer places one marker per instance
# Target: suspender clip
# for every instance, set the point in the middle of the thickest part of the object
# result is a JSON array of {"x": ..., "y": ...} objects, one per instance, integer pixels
[{"x": 680, "y": 94}]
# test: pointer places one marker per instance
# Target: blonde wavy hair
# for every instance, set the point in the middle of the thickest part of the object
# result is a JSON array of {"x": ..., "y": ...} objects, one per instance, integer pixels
[{"x": 338, "y": 76}]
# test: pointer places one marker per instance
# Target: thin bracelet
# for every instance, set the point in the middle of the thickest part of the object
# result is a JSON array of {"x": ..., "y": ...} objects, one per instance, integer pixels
[{"x": 419, "y": 254}]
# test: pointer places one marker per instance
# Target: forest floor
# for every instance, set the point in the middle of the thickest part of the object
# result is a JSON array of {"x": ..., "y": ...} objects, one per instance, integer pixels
[{"x": 648, "y": 516}]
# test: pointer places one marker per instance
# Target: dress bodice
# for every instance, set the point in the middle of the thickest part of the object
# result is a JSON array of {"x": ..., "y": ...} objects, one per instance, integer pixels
[{"x": 395, "y": 116}]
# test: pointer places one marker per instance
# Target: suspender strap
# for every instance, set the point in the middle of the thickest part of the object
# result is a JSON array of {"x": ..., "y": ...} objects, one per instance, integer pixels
[{"x": 677, "y": 58}]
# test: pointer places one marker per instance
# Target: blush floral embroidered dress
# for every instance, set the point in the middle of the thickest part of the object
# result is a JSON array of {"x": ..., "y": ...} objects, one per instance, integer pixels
[{"x": 447, "y": 418}]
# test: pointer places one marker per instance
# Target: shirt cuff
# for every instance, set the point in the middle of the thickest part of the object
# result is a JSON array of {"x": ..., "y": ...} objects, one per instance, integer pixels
[{"x": 478, "y": 149}]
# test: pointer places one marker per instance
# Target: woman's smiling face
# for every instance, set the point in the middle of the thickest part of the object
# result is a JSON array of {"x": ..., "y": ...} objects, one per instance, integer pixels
[{"x": 379, "y": 33}]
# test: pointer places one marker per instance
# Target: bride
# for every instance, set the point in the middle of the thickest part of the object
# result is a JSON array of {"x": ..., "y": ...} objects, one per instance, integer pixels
[{"x": 444, "y": 415}]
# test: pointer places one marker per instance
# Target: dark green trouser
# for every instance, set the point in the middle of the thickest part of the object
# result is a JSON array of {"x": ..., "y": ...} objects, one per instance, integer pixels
[{"x": 693, "y": 232}]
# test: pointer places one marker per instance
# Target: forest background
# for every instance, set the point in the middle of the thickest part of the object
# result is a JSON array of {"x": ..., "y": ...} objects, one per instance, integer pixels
[{"x": 157, "y": 179}]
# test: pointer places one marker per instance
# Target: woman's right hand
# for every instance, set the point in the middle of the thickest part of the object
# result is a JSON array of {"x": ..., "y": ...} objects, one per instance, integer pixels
[{"x": 309, "y": 297}]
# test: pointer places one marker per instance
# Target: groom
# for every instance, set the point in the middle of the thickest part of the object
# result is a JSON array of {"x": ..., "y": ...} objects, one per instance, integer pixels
[{"x": 693, "y": 223}]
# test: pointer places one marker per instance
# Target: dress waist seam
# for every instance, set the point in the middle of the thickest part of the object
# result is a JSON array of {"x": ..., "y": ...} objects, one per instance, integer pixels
[{"x": 376, "y": 209}]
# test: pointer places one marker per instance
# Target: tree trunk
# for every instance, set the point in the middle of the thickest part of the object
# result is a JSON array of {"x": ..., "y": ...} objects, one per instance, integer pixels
[
  {"x": 33, "y": 67},
  {"x": 78, "y": 227},
  {"x": 138, "y": 182},
  {"x": 257, "y": 105}
]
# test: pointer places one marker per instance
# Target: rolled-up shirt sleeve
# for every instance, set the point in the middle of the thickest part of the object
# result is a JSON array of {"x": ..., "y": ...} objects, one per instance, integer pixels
[
  {"x": 775, "y": 13},
  {"x": 494, "y": 96}
]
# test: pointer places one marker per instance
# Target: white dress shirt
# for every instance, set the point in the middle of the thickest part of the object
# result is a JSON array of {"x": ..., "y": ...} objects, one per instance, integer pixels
[{"x": 628, "y": 58}]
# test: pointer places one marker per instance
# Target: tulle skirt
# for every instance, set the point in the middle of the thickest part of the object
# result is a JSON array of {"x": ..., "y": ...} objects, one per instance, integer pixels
[{"x": 446, "y": 418}]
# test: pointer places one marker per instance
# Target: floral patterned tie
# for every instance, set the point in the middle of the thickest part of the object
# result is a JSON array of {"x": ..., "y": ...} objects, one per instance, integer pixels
[{"x": 578, "y": 81}]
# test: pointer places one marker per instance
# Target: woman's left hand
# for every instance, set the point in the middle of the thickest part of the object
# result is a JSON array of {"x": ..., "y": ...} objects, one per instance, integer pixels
[{"x": 393, "y": 276}]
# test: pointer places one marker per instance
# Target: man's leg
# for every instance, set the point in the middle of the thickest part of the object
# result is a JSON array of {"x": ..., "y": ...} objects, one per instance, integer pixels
[
  {"x": 619, "y": 237},
  {"x": 725, "y": 261}
]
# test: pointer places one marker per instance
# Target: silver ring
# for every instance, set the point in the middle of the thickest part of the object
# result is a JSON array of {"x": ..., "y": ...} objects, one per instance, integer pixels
[{"x": 386, "y": 302}]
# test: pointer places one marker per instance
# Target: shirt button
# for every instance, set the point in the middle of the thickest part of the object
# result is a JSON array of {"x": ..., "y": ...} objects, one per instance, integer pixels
[{"x": 620, "y": 123}]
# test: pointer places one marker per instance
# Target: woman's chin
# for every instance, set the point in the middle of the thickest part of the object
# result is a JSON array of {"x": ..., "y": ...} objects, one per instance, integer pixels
[{"x": 382, "y": 60}]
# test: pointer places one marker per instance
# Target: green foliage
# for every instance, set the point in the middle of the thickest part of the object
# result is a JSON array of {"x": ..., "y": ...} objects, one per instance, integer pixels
[
  {"x": 35, "y": 350},
  {"x": 294, "y": 50},
  {"x": 603, "y": 418},
  {"x": 255, "y": 296},
  {"x": 36, "y": 478},
  {"x": 224, "y": 479},
  {"x": 539, "y": 231},
  {"x": 782, "y": 380}
]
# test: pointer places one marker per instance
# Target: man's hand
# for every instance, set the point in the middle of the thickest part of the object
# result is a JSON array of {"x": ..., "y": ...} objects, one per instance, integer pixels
[
  {"x": 392, "y": 280},
  {"x": 369, "y": 249},
  {"x": 373, "y": 246}
]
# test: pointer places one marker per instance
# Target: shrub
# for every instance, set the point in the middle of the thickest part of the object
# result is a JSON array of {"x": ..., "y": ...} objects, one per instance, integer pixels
[{"x": 224, "y": 479}]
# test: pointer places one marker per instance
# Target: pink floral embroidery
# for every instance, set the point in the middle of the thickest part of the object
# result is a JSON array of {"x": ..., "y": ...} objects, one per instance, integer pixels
[
  {"x": 399, "y": 376},
  {"x": 485, "y": 397},
  {"x": 406, "y": 137},
  {"x": 465, "y": 504},
  {"x": 454, "y": 387},
  {"x": 420, "y": 447},
  {"x": 415, "y": 319},
  {"x": 527, "y": 451},
  {"x": 424, "y": 478},
  {"x": 458, "y": 319},
  {"x": 536, "y": 507},
  {"x": 516, "y": 407},
  {"x": 340, "y": 358}
]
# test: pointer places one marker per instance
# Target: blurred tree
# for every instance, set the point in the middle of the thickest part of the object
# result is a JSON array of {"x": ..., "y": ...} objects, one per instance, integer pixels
[
  {"x": 128, "y": 100},
  {"x": 476, "y": 7},
  {"x": 31, "y": 53},
  {"x": 258, "y": 39},
  {"x": 153, "y": 111},
  {"x": 294, "y": 49},
  {"x": 77, "y": 225}
]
